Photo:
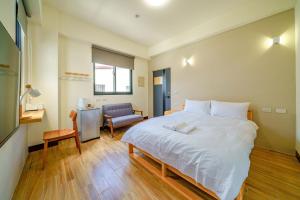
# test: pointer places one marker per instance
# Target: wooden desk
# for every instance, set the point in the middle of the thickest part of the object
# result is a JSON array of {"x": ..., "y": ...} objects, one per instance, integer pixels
[{"x": 32, "y": 116}]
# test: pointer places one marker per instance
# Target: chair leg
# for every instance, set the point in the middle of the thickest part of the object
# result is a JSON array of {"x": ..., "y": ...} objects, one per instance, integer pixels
[
  {"x": 45, "y": 153},
  {"x": 77, "y": 143},
  {"x": 112, "y": 131}
]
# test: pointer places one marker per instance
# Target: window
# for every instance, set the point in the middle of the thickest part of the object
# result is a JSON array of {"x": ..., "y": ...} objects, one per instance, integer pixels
[
  {"x": 111, "y": 80},
  {"x": 112, "y": 72}
]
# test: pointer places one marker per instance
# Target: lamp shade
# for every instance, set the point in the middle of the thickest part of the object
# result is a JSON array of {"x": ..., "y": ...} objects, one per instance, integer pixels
[{"x": 34, "y": 93}]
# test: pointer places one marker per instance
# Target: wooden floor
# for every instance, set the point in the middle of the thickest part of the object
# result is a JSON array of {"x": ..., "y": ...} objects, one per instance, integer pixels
[{"x": 105, "y": 171}]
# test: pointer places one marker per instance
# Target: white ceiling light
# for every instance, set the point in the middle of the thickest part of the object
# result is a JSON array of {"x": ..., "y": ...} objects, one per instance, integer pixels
[{"x": 156, "y": 3}]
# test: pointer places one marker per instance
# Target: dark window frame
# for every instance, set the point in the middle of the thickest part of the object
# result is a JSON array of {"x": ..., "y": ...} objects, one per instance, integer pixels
[{"x": 115, "y": 85}]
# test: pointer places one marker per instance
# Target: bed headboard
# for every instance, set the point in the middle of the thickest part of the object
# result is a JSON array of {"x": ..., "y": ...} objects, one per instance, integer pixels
[{"x": 250, "y": 115}]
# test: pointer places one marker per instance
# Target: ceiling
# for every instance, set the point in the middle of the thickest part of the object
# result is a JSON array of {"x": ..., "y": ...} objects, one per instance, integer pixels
[{"x": 157, "y": 24}]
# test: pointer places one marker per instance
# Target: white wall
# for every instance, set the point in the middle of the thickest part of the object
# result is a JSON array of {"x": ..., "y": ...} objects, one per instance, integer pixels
[
  {"x": 13, "y": 153},
  {"x": 51, "y": 56},
  {"x": 75, "y": 56},
  {"x": 44, "y": 76},
  {"x": 297, "y": 27}
]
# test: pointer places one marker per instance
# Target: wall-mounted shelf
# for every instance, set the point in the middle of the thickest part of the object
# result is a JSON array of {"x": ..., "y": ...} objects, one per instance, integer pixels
[
  {"x": 32, "y": 116},
  {"x": 74, "y": 76}
]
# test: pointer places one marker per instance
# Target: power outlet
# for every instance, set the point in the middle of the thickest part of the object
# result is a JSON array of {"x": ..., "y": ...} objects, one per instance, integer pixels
[
  {"x": 267, "y": 109},
  {"x": 281, "y": 110}
]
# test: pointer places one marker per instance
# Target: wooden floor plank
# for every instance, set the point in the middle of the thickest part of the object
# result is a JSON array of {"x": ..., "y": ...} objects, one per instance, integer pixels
[{"x": 104, "y": 170}]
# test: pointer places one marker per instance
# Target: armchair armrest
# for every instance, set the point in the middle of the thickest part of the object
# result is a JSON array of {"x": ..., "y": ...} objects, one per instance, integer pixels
[
  {"x": 140, "y": 111},
  {"x": 109, "y": 119},
  {"x": 107, "y": 116}
]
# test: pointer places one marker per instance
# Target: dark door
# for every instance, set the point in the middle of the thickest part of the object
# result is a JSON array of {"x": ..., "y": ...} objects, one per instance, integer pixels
[{"x": 161, "y": 91}]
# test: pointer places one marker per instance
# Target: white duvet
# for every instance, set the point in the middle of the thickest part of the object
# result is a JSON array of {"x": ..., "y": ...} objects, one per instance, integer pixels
[{"x": 215, "y": 154}]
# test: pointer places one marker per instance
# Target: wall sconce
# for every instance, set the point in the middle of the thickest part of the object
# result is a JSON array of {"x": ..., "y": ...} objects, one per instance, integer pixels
[
  {"x": 269, "y": 42},
  {"x": 282, "y": 39},
  {"x": 188, "y": 61},
  {"x": 276, "y": 40}
]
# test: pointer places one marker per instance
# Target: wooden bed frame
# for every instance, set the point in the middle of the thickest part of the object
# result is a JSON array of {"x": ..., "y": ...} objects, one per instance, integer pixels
[{"x": 162, "y": 173}]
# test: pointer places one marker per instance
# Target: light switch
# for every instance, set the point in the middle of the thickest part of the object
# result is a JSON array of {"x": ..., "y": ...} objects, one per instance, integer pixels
[
  {"x": 267, "y": 109},
  {"x": 281, "y": 110}
]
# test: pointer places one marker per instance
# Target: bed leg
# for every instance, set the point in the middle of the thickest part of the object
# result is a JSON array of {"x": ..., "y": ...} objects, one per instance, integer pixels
[
  {"x": 164, "y": 170},
  {"x": 241, "y": 194},
  {"x": 130, "y": 148}
]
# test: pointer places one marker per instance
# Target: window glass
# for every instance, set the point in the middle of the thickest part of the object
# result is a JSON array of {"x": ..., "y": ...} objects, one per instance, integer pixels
[
  {"x": 104, "y": 78},
  {"x": 112, "y": 80},
  {"x": 122, "y": 80}
]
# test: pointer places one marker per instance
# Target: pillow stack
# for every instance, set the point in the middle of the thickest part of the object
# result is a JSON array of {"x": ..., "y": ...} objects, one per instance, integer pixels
[{"x": 218, "y": 108}]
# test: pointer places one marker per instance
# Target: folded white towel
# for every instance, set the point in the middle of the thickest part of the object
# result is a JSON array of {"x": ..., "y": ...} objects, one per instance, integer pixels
[
  {"x": 187, "y": 129},
  {"x": 175, "y": 125},
  {"x": 180, "y": 127}
]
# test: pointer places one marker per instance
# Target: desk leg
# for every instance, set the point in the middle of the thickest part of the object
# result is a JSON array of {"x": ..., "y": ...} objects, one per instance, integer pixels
[{"x": 45, "y": 153}]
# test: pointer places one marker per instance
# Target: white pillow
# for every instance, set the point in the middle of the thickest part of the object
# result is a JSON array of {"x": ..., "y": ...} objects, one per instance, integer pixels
[
  {"x": 230, "y": 109},
  {"x": 199, "y": 107}
]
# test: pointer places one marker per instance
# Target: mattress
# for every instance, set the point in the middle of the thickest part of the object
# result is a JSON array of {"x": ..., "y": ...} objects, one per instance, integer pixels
[{"x": 215, "y": 154}]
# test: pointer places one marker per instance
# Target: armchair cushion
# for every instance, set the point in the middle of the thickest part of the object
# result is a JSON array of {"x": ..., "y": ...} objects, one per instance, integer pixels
[{"x": 125, "y": 120}]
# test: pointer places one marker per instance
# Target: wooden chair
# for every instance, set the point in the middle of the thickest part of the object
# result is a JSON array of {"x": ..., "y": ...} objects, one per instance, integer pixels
[{"x": 57, "y": 135}]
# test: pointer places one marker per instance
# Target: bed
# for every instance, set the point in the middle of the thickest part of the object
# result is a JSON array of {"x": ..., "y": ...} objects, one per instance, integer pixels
[{"x": 214, "y": 157}]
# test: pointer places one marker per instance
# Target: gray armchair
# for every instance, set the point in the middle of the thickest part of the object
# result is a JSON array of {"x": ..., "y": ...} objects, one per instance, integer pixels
[{"x": 119, "y": 115}]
